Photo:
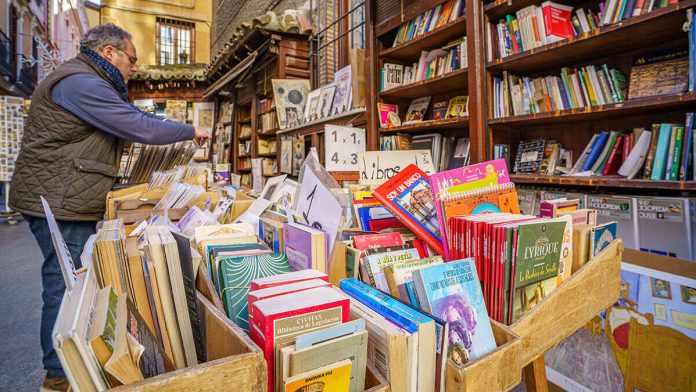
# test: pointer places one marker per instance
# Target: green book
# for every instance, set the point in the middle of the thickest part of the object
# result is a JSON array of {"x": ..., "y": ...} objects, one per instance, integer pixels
[
  {"x": 236, "y": 274},
  {"x": 676, "y": 156},
  {"x": 620, "y": 82},
  {"x": 569, "y": 86}
]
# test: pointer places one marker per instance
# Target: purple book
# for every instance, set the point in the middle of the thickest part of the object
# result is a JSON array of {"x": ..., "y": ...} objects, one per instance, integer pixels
[{"x": 305, "y": 247}]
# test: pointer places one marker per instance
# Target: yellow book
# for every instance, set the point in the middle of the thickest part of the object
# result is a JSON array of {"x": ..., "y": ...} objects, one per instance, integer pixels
[
  {"x": 330, "y": 378},
  {"x": 581, "y": 245}
]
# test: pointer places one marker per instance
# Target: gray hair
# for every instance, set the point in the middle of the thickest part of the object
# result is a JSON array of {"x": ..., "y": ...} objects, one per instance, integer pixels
[{"x": 106, "y": 35}]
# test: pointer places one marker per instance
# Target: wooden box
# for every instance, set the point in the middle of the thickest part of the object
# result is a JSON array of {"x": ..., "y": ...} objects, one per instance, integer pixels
[
  {"x": 233, "y": 361},
  {"x": 593, "y": 288},
  {"x": 499, "y": 370}
]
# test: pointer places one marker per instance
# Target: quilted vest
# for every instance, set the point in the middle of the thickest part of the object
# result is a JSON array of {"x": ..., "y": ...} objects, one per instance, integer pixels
[{"x": 64, "y": 159}]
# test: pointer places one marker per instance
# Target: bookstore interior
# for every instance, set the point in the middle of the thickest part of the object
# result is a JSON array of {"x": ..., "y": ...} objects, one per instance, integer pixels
[{"x": 425, "y": 195}]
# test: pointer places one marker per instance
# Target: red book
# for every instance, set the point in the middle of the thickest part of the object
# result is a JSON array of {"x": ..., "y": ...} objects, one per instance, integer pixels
[
  {"x": 557, "y": 21},
  {"x": 386, "y": 223},
  {"x": 409, "y": 196},
  {"x": 289, "y": 277},
  {"x": 270, "y": 292},
  {"x": 614, "y": 161},
  {"x": 362, "y": 242},
  {"x": 285, "y": 317}
]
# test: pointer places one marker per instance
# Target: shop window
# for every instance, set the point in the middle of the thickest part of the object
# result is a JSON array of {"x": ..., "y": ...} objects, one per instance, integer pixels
[{"x": 175, "y": 42}]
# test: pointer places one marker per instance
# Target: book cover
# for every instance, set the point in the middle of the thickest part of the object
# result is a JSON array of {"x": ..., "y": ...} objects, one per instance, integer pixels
[
  {"x": 452, "y": 292},
  {"x": 400, "y": 275},
  {"x": 330, "y": 378},
  {"x": 636, "y": 158},
  {"x": 305, "y": 247},
  {"x": 285, "y": 317},
  {"x": 529, "y": 155},
  {"x": 275, "y": 291},
  {"x": 665, "y": 226},
  {"x": 237, "y": 273},
  {"x": 388, "y": 115},
  {"x": 375, "y": 263},
  {"x": 661, "y": 152},
  {"x": 601, "y": 236},
  {"x": 677, "y": 155},
  {"x": 557, "y": 21},
  {"x": 539, "y": 246},
  {"x": 622, "y": 209},
  {"x": 439, "y": 110},
  {"x": 457, "y": 107},
  {"x": 408, "y": 195},
  {"x": 271, "y": 232},
  {"x": 416, "y": 110},
  {"x": 393, "y": 76}
]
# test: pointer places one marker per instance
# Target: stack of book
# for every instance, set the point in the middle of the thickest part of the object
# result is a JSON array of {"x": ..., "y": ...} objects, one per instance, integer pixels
[
  {"x": 432, "y": 19},
  {"x": 269, "y": 122},
  {"x": 574, "y": 88},
  {"x": 450, "y": 57}
]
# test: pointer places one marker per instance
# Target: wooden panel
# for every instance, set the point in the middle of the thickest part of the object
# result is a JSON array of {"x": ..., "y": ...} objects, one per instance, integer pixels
[
  {"x": 593, "y": 288},
  {"x": 476, "y": 87},
  {"x": 604, "y": 181},
  {"x": 430, "y": 125}
]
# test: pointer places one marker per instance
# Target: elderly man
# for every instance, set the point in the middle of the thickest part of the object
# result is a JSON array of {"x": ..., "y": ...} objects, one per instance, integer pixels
[{"x": 70, "y": 154}]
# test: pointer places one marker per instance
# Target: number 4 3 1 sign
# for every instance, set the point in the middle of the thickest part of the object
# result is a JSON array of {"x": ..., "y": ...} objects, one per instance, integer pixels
[{"x": 342, "y": 146}]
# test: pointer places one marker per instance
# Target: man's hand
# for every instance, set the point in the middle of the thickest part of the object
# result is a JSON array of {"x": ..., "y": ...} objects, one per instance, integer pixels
[{"x": 200, "y": 136}]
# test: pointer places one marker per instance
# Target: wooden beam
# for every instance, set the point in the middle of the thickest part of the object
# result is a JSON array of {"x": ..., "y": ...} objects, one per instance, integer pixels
[{"x": 477, "y": 72}]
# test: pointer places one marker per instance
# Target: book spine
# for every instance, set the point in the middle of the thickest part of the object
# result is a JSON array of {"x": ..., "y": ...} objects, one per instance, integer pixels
[
  {"x": 676, "y": 158},
  {"x": 651, "y": 152},
  {"x": 670, "y": 153},
  {"x": 614, "y": 155},
  {"x": 687, "y": 150}
]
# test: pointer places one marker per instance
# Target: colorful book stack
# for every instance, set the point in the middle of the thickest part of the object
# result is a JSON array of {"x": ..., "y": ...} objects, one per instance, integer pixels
[
  {"x": 433, "y": 19},
  {"x": 573, "y": 88}
]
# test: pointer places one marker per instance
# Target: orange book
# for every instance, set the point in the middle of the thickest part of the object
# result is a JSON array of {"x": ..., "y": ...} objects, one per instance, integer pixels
[
  {"x": 498, "y": 198},
  {"x": 445, "y": 14}
]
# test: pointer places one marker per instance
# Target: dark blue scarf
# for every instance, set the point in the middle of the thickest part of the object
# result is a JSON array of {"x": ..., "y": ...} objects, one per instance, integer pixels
[{"x": 113, "y": 72}]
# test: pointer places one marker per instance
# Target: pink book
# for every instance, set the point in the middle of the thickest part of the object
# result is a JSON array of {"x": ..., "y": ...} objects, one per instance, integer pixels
[{"x": 469, "y": 178}]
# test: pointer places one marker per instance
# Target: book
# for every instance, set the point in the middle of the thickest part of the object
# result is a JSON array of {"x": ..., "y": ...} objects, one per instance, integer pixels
[
  {"x": 557, "y": 21},
  {"x": 664, "y": 226},
  {"x": 687, "y": 147},
  {"x": 439, "y": 110},
  {"x": 388, "y": 115},
  {"x": 392, "y": 75},
  {"x": 362, "y": 242},
  {"x": 305, "y": 247},
  {"x": 334, "y": 377},
  {"x": 677, "y": 154},
  {"x": 274, "y": 291},
  {"x": 285, "y": 317},
  {"x": 452, "y": 292},
  {"x": 399, "y": 278},
  {"x": 458, "y": 107},
  {"x": 351, "y": 347},
  {"x": 375, "y": 263},
  {"x": 661, "y": 152},
  {"x": 581, "y": 245},
  {"x": 530, "y": 154},
  {"x": 408, "y": 195},
  {"x": 416, "y": 110},
  {"x": 236, "y": 275},
  {"x": 601, "y": 236},
  {"x": 637, "y": 157},
  {"x": 286, "y": 278},
  {"x": 407, "y": 318},
  {"x": 623, "y": 210}
]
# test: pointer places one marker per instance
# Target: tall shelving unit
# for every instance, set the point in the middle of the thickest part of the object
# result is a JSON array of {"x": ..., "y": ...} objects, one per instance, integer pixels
[{"x": 615, "y": 45}]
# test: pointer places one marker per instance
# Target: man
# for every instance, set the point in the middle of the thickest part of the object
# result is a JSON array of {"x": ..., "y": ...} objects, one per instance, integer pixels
[{"x": 70, "y": 154}]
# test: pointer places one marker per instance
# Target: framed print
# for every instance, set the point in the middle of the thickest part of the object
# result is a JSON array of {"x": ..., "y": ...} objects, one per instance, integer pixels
[
  {"x": 290, "y": 97},
  {"x": 325, "y": 101},
  {"x": 688, "y": 294},
  {"x": 310, "y": 112},
  {"x": 660, "y": 288}
]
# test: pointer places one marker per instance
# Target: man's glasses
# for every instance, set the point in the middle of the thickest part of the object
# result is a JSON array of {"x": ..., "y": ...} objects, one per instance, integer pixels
[{"x": 132, "y": 59}]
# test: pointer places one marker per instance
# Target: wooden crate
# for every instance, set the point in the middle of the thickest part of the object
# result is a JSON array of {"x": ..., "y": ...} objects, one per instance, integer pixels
[
  {"x": 593, "y": 288},
  {"x": 499, "y": 370},
  {"x": 233, "y": 361},
  {"x": 373, "y": 381}
]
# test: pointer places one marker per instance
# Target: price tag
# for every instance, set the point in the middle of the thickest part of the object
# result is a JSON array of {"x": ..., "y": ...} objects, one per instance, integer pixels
[
  {"x": 319, "y": 207},
  {"x": 343, "y": 146},
  {"x": 376, "y": 167}
]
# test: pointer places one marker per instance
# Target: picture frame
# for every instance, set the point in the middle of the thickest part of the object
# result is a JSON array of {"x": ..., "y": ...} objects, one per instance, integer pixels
[
  {"x": 343, "y": 82},
  {"x": 313, "y": 99},
  {"x": 271, "y": 186},
  {"x": 688, "y": 294},
  {"x": 290, "y": 97},
  {"x": 326, "y": 99},
  {"x": 660, "y": 288},
  {"x": 204, "y": 115}
]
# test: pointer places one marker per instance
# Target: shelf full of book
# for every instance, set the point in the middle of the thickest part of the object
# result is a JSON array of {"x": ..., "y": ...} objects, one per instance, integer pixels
[{"x": 590, "y": 93}]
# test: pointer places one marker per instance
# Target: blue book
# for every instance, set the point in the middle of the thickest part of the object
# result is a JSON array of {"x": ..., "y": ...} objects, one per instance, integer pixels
[
  {"x": 658, "y": 169},
  {"x": 692, "y": 52},
  {"x": 601, "y": 236},
  {"x": 564, "y": 93},
  {"x": 404, "y": 317},
  {"x": 452, "y": 292},
  {"x": 597, "y": 148}
]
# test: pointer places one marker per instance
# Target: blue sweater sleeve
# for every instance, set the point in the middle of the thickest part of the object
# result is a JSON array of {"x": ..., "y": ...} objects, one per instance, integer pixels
[{"x": 94, "y": 100}]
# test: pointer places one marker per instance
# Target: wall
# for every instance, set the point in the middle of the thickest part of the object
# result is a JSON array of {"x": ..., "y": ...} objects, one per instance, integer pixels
[
  {"x": 69, "y": 24},
  {"x": 93, "y": 13},
  {"x": 231, "y": 13},
  {"x": 139, "y": 18}
]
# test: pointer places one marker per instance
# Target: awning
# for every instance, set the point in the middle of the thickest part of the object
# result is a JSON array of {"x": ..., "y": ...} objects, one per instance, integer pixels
[{"x": 231, "y": 74}]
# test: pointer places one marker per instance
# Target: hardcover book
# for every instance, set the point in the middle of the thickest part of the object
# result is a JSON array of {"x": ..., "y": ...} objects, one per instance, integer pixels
[
  {"x": 362, "y": 242},
  {"x": 601, "y": 236},
  {"x": 408, "y": 195},
  {"x": 275, "y": 291},
  {"x": 452, "y": 292},
  {"x": 285, "y": 317},
  {"x": 286, "y": 278},
  {"x": 416, "y": 110},
  {"x": 237, "y": 273}
]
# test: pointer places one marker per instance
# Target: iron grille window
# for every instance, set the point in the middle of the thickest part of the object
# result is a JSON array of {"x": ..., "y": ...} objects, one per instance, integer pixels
[
  {"x": 175, "y": 42},
  {"x": 341, "y": 27}
]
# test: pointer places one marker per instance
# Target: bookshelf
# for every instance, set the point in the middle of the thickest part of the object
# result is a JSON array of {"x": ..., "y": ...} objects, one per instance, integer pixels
[
  {"x": 441, "y": 88},
  {"x": 615, "y": 45}
]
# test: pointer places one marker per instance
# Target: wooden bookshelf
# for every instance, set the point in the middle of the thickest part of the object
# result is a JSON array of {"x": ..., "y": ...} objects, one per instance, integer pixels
[
  {"x": 499, "y": 8},
  {"x": 429, "y": 125},
  {"x": 247, "y": 170},
  {"x": 411, "y": 50},
  {"x": 603, "y": 181},
  {"x": 656, "y": 27},
  {"x": 648, "y": 105},
  {"x": 269, "y": 155},
  {"x": 452, "y": 81}
]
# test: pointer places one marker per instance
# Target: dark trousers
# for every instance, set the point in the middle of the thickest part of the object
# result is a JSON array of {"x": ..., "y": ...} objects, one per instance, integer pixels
[{"x": 75, "y": 235}]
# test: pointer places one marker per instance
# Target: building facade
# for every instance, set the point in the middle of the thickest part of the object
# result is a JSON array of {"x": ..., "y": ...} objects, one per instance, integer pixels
[{"x": 165, "y": 32}]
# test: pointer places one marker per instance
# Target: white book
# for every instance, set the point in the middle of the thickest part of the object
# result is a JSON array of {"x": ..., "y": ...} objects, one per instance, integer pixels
[
  {"x": 664, "y": 226},
  {"x": 609, "y": 11},
  {"x": 542, "y": 26},
  {"x": 623, "y": 210},
  {"x": 393, "y": 75},
  {"x": 580, "y": 12},
  {"x": 599, "y": 95},
  {"x": 636, "y": 158}
]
